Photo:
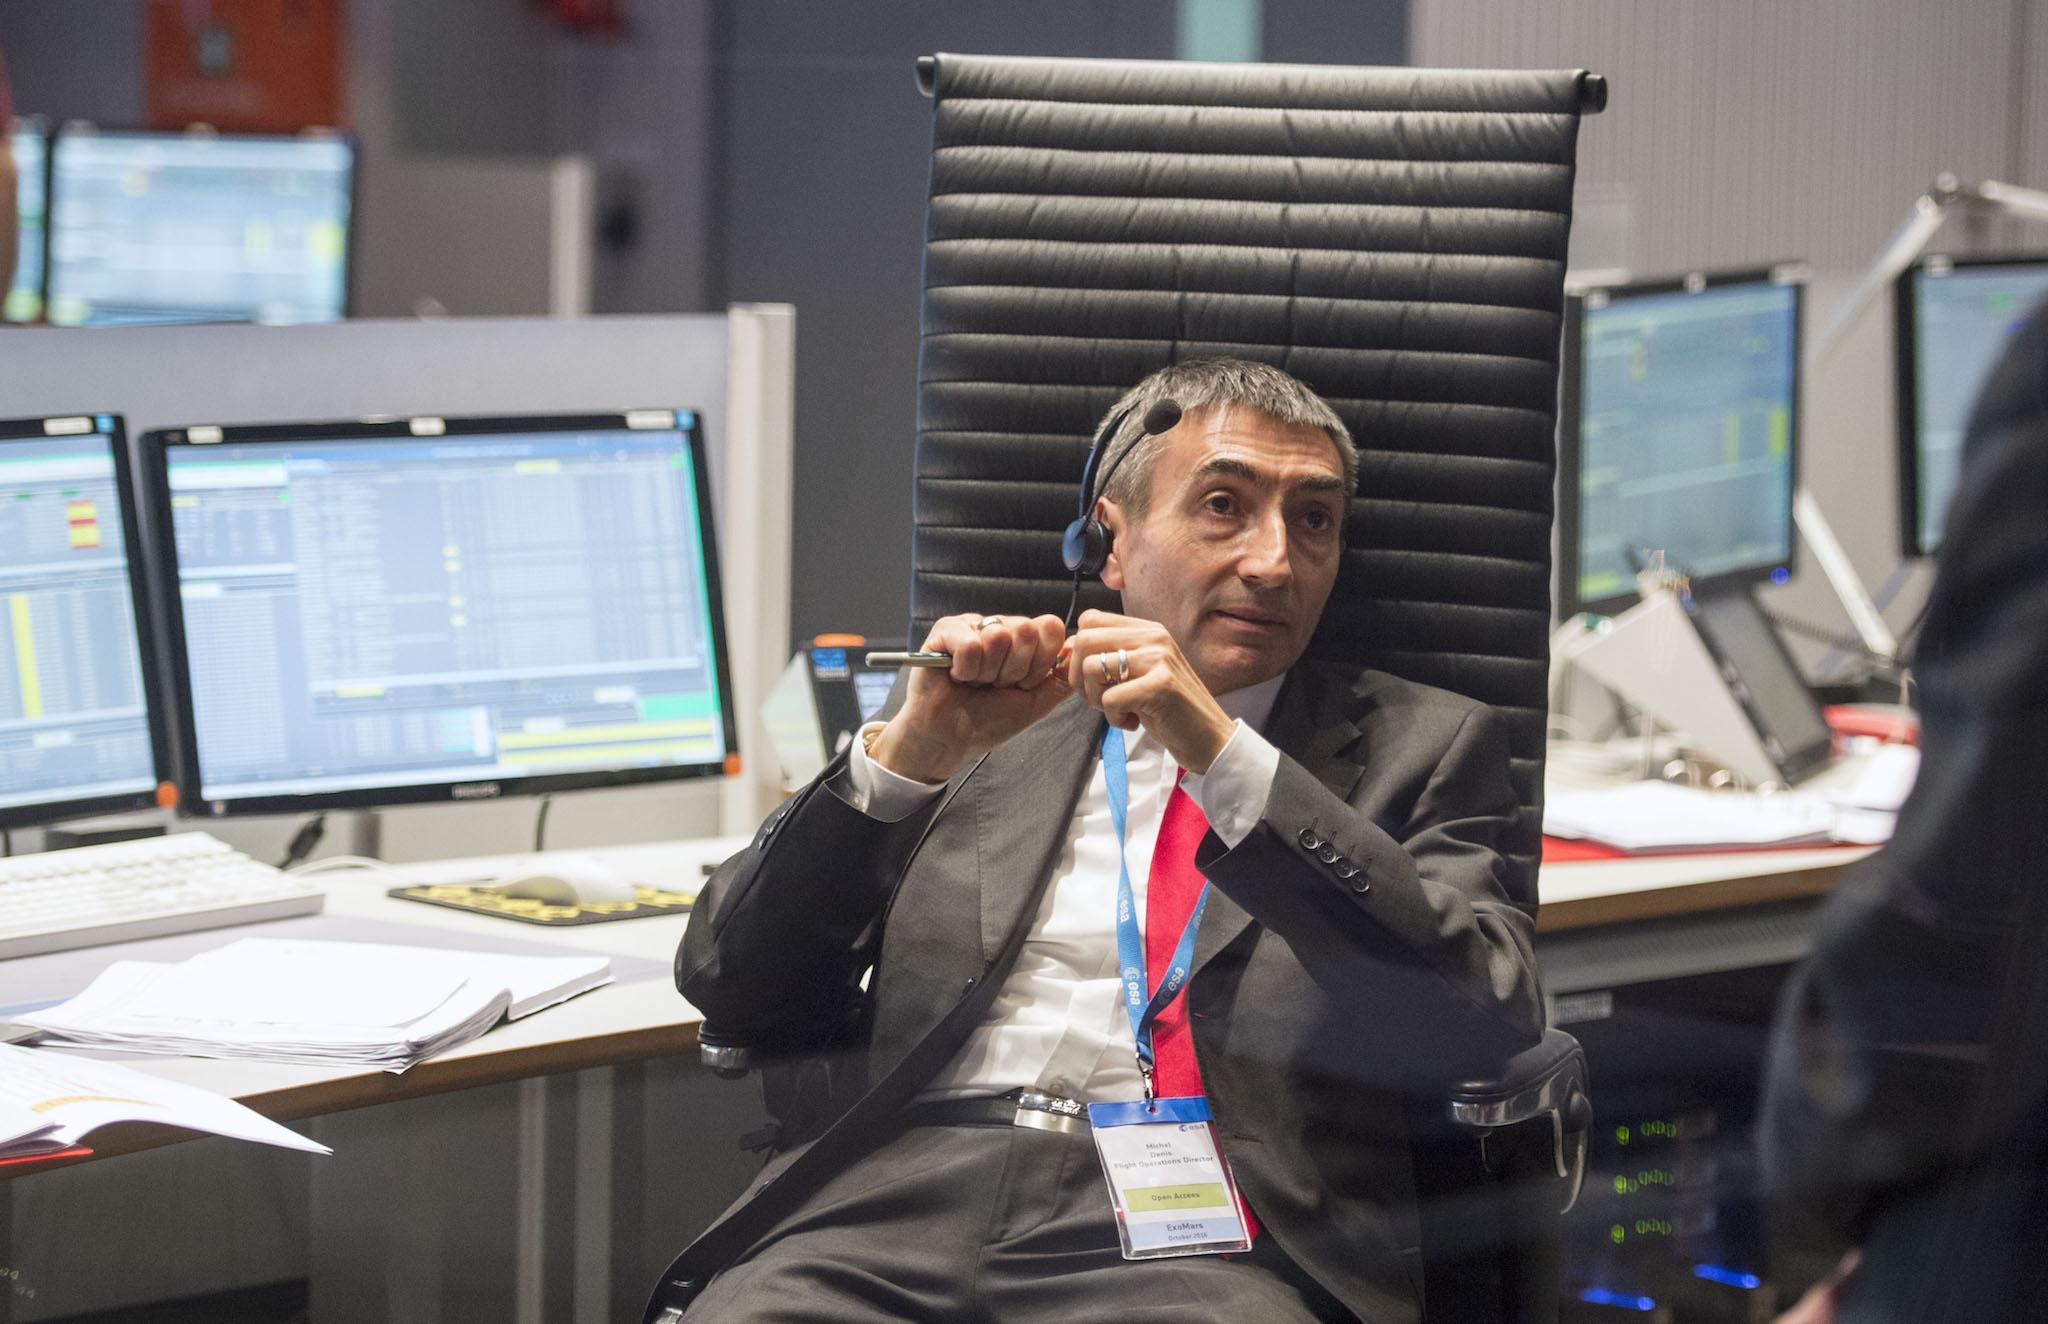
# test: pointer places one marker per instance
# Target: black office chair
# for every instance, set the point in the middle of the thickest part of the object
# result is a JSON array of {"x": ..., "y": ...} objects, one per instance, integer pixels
[{"x": 1396, "y": 239}]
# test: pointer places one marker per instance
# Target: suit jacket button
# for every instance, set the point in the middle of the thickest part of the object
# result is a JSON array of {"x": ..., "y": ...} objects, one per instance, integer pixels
[
  {"x": 1346, "y": 869},
  {"x": 1360, "y": 886},
  {"x": 1308, "y": 839},
  {"x": 1328, "y": 854}
]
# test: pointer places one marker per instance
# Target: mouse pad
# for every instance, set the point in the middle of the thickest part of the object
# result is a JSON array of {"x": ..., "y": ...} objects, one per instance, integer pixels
[{"x": 483, "y": 901}]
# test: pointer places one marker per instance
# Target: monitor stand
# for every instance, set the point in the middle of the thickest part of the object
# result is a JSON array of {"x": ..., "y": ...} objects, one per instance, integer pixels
[
  {"x": 105, "y": 828},
  {"x": 1653, "y": 658},
  {"x": 366, "y": 834}
]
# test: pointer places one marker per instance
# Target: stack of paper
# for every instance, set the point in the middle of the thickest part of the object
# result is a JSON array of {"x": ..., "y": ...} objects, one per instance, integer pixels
[
  {"x": 1657, "y": 816},
  {"x": 316, "y": 1003},
  {"x": 48, "y": 1104}
]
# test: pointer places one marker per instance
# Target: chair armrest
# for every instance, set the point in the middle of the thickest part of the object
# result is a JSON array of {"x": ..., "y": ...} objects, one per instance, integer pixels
[
  {"x": 728, "y": 1057},
  {"x": 1546, "y": 1081}
]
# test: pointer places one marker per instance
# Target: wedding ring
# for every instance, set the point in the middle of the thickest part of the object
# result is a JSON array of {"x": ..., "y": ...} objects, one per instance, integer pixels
[
  {"x": 1123, "y": 666},
  {"x": 1102, "y": 661},
  {"x": 979, "y": 623}
]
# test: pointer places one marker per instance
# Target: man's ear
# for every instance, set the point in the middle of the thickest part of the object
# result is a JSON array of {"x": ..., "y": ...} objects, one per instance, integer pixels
[{"x": 1111, "y": 518}]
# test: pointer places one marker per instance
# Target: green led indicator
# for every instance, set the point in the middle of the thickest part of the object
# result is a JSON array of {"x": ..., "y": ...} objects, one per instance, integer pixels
[
  {"x": 1617, "y": 1234},
  {"x": 1620, "y": 1135},
  {"x": 1621, "y": 1186}
]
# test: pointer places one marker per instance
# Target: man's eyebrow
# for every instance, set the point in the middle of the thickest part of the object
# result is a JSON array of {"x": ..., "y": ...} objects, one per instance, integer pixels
[
  {"x": 1226, "y": 466},
  {"x": 1229, "y": 466}
]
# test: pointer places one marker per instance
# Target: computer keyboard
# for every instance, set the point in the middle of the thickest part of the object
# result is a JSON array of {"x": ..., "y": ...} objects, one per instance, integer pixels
[{"x": 91, "y": 895}]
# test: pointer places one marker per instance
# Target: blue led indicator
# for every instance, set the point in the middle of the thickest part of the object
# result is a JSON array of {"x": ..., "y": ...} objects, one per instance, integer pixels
[
  {"x": 1714, "y": 1273},
  {"x": 1781, "y": 576},
  {"x": 1600, "y": 1296},
  {"x": 828, "y": 659},
  {"x": 104, "y": 422},
  {"x": 685, "y": 418}
]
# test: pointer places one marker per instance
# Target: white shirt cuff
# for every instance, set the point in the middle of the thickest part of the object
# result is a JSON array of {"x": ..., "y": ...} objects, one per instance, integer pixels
[
  {"x": 878, "y": 792},
  {"x": 1233, "y": 792}
]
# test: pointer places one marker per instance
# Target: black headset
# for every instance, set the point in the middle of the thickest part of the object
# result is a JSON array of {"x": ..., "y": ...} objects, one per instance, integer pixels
[{"x": 1085, "y": 546}]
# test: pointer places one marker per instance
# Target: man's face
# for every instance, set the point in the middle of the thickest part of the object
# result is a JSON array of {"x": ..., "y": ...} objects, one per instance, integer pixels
[{"x": 1238, "y": 549}]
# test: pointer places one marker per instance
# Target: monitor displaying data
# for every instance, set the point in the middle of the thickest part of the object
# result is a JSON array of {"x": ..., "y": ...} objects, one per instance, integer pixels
[
  {"x": 374, "y": 613},
  {"x": 1678, "y": 432},
  {"x": 1954, "y": 319},
  {"x": 24, "y": 301},
  {"x": 76, "y": 734},
  {"x": 175, "y": 227}
]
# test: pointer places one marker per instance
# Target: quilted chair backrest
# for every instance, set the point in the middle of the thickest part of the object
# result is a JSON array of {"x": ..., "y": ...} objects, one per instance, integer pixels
[{"x": 1393, "y": 237}]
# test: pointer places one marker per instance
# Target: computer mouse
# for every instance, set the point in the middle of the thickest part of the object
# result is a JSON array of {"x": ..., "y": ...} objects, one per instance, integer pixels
[{"x": 567, "y": 880}]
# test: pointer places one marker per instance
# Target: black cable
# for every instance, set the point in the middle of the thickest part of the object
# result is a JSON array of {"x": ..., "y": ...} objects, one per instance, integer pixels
[
  {"x": 540, "y": 822},
  {"x": 7, "y": 842},
  {"x": 1846, "y": 643},
  {"x": 1074, "y": 602},
  {"x": 304, "y": 840}
]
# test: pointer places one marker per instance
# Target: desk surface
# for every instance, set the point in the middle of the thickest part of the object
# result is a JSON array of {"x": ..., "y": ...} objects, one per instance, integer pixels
[
  {"x": 1590, "y": 892},
  {"x": 1584, "y": 893},
  {"x": 632, "y": 1019}
]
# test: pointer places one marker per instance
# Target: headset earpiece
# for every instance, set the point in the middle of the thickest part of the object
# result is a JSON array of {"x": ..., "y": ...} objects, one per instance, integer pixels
[{"x": 1085, "y": 545}]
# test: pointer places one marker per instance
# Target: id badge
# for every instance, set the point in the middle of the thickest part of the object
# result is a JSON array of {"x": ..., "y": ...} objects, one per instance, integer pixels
[{"x": 1168, "y": 1180}]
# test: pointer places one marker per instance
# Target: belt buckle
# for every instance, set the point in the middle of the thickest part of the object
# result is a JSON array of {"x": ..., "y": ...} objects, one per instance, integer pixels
[{"x": 1048, "y": 1112}]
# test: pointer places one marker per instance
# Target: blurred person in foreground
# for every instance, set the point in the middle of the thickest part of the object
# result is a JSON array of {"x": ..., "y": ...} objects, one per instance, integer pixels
[{"x": 1906, "y": 1098}]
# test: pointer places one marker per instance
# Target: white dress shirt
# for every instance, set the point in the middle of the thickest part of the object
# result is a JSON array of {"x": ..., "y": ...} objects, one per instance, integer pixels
[{"x": 1058, "y": 1023}]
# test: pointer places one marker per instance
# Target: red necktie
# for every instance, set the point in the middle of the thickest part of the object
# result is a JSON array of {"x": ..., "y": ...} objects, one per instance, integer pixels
[
  {"x": 1169, "y": 899},
  {"x": 1170, "y": 895}
]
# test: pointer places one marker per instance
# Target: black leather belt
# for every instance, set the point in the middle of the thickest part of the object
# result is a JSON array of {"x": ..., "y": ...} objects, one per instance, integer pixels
[{"x": 1032, "y": 1108}]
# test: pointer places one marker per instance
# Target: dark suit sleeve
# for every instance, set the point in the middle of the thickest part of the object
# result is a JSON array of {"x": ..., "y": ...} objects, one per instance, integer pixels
[
  {"x": 1406, "y": 916},
  {"x": 774, "y": 953}
]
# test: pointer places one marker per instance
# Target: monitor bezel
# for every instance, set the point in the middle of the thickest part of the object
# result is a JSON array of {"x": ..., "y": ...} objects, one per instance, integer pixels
[
  {"x": 157, "y": 446},
  {"x": 72, "y": 129},
  {"x": 1906, "y": 381},
  {"x": 45, "y": 812},
  {"x": 33, "y": 126},
  {"x": 1571, "y": 401}
]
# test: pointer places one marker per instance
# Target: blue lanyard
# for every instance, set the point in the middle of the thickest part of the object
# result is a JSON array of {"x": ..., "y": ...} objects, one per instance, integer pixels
[{"x": 1130, "y": 943}]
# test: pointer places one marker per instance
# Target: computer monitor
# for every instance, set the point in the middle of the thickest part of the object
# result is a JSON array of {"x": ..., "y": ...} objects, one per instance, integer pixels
[
  {"x": 198, "y": 227},
  {"x": 1954, "y": 317},
  {"x": 439, "y": 609},
  {"x": 24, "y": 298},
  {"x": 1678, "y": 431},
  {"x": 78, "y": 733}
]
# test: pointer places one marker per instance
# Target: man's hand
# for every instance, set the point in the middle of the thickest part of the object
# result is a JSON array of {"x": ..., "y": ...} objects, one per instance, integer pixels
[
  {"x": 1824, "y": 1299},
  {"x": 1005, "y": 676},
  {"x": 1135, "y": 673}
]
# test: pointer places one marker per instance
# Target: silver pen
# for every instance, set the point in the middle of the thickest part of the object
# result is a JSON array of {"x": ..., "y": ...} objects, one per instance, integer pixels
[{"x": 920, "y": 659}]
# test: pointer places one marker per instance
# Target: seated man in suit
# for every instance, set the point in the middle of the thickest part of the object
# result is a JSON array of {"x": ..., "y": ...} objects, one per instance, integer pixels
[{"x": 940, "y": 932}]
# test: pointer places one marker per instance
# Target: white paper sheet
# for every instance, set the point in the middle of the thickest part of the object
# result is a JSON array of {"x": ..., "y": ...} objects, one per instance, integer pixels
[{"x": 50, "y": 1102}]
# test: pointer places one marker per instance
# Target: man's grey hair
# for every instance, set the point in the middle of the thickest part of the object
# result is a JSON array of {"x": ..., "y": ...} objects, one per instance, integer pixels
[{"x": 1207, "y": 384}]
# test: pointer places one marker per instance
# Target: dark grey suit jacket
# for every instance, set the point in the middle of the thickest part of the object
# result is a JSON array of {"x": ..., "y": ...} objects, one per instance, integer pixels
[{"x": 1359, "y": 951}]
